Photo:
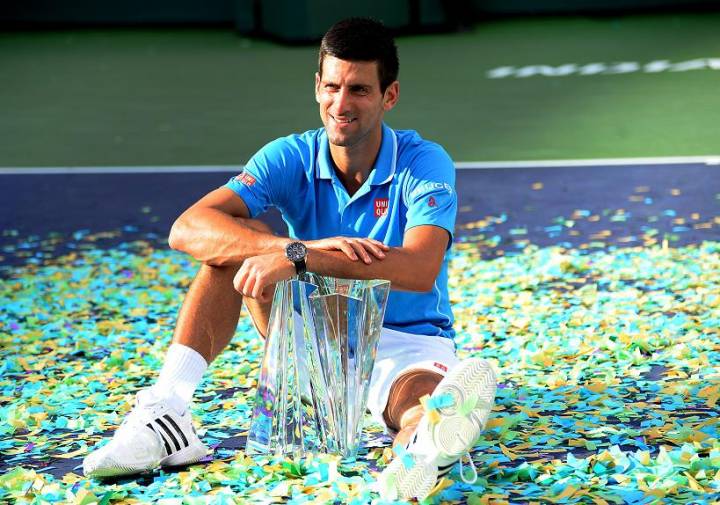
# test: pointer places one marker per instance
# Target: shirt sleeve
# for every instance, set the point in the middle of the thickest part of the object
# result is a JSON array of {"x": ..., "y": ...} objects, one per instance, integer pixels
[
  {"x": 264, "y": 181},
  {"x": 430, "y": 191}
]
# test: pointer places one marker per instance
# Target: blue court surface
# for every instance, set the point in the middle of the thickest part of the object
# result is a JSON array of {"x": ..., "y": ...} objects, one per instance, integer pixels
[{"x": 593, "y": 290}]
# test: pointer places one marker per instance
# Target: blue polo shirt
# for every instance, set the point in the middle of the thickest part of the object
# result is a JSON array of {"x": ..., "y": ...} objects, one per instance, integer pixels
[{"x": 412, "y": 183}]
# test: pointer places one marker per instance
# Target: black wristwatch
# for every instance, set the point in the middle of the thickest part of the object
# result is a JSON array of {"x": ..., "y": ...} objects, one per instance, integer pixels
[{"x": 296, "y": 252}]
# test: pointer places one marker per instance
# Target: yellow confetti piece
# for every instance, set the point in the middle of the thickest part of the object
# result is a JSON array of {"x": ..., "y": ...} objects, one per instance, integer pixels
[
  {"x": 597, "y": 387},
  {"x": 507, "y": 452},
  {"x": 494, "y": 422},
  {"x": 537, "y": 186},
  {"x": 693, "y": 483},
  {"x": 493, "y": 499},
  {"x": 441, "y": 486}
]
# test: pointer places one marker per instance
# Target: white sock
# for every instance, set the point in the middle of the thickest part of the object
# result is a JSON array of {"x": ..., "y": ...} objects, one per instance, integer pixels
[{"x": 180, "y": 376}]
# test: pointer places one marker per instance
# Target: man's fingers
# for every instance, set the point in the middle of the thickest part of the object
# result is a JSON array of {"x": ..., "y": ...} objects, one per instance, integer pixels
[
  {"x": 258, "y": 287},
  {"x": 347, "y": 248},
  {"x": 249, "y": 286},
  {"x": 239, "y": 280},
  {"x": 379, "y": 244},
  {"x": 373, "y": 247},
  {"x": 266, "y": 295},
  {"x": 369, "y": 245},
  {"x": 361, "y": 251}
]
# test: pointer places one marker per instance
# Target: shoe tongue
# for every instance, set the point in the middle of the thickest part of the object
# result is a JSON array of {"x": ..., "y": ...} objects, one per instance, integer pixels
[
  {"x": 147, "y": 398},
  {"x": 175, "y": 403}
]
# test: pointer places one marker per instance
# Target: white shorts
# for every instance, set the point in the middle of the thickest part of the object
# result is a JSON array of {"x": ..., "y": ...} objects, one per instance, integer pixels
[{"x": 400, "y": 352}]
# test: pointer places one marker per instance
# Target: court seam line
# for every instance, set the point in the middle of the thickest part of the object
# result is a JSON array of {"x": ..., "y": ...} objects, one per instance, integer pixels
[{"x": 460, "y": 165}]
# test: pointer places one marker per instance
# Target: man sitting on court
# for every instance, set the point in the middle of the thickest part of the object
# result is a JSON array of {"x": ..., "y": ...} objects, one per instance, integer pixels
[{"x": 361, "y": 201}]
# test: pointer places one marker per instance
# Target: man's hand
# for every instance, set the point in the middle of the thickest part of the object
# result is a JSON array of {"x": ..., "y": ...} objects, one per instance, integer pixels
[
  {"x": 353, "y": 247},
  {"x": 258, "y": 274}
]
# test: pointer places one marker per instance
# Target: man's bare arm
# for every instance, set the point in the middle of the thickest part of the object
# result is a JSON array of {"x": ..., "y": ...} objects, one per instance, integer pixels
[
  {"x": 217, "y": 231},
  {"x": 412, "y": 267},
  {"x": 212, "y": 231}
]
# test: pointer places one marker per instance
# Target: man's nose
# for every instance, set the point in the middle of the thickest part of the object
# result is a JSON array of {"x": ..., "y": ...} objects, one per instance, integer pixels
[{"x": 342, "y": 101}]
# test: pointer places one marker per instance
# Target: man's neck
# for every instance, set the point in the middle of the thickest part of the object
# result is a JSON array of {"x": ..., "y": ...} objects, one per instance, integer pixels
[{"x": 353, "y": 164}]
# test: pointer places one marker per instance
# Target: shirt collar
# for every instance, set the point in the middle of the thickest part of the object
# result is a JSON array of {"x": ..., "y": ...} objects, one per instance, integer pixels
[{"x": 383, "y": 169}]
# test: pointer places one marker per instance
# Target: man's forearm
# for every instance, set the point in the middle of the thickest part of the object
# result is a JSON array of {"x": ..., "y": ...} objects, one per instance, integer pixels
[
  {"x": 406, "y": 270},
  {"x": 216, "y": 238}
]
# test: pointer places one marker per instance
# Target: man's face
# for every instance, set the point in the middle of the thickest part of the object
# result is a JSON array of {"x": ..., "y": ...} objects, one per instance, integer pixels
[{"x": 351, "y": 102}]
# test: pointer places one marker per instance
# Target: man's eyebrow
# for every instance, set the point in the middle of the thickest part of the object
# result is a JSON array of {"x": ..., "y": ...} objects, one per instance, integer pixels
[{"x": 352, "y": 85}]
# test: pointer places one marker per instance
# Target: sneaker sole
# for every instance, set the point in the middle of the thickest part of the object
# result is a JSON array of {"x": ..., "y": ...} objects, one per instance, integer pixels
[
  {"x": 471, "y": 377},
  {"x": 115, "y": 469},
  {"x": 415, "y": 482},
  {"x": 188, "y": 455},
  {"x": 454, "y": 434}
]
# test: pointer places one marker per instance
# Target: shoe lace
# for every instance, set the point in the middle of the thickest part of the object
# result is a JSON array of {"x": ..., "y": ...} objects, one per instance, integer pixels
[
  {"x": 473, "y": 470},
  {"x": 135, "y": 418}
]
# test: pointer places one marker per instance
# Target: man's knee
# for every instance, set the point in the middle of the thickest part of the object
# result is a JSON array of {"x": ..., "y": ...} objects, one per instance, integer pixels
[
  {"x": 231, "y": 270},
  {"x": 405, "y": 393}
]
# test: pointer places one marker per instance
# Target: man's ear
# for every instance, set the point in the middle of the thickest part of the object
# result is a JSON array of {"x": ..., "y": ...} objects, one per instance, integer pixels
[
  {"x": 391, "y": 96},
  {"x": 317, "y": 87}
]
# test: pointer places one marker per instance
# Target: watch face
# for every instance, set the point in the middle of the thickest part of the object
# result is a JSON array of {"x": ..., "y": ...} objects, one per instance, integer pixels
[{"x": 296, "y": 251}]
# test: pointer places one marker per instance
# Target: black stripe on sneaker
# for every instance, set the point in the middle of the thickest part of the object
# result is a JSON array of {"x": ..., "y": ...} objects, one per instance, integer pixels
[
  {"x": 159, "y": 434},
  {"x": 177, "y": 429},
  {"x": 167, "y": 430}
]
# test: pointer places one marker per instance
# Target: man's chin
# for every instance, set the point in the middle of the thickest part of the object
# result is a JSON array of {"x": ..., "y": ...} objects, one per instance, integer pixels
[{"x": 339, "y": 140}]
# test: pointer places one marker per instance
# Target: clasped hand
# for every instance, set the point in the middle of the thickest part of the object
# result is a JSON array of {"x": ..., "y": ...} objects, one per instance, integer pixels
[{"x": 257, "y": 275}]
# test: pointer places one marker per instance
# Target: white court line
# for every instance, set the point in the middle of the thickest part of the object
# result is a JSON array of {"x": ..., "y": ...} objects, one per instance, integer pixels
[
  {"x": 594, "y": 162},
  {"x": 119, "y": 170},
  {"x": 461, "y": 165}
]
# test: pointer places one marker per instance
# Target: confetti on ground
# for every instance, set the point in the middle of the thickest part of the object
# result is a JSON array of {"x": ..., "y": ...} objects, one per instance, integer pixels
[{"x": 608, "y": 357}]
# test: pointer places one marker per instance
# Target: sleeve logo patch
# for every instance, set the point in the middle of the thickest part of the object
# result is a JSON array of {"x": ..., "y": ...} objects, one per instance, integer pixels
[
  {"x": 432, "y": 202},
  {"x": 245, "y": 178},
  {"x": 381, "y": 206},
  {"x": 429, "y": 186}
]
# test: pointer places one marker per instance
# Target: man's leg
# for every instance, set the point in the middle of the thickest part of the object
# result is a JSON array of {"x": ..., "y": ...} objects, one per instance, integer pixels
[
  {"x": 211, "y": 310},
  {"x": 206, "y": 323},
  {"x": 403, "y": 411},
  {"x": 159, "y": 430},
  {"x": 436, "y": 436}
]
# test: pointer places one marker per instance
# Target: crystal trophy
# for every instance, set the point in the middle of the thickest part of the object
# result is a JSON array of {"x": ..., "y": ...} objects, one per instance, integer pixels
[{"x": 323, "y": 332}]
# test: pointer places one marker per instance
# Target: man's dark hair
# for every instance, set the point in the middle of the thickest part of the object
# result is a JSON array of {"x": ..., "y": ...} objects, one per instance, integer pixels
[{"x": 362, "y": 39}]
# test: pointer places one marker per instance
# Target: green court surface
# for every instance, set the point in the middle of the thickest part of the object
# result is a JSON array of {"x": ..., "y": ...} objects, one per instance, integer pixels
[{"x": 200, "y": 96}]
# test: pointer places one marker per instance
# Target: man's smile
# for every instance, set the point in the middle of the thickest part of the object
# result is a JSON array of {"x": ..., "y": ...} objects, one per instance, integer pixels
[{"x": 342, "y": 120}]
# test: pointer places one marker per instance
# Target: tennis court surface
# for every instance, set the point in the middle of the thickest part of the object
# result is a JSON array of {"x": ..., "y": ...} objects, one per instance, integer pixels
[{"x": 594, "y": 290}]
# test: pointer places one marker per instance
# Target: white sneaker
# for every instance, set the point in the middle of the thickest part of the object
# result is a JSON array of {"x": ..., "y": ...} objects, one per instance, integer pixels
[
  {"x": 455, "y": 415},
  {"x": 153, "y": 434}
]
